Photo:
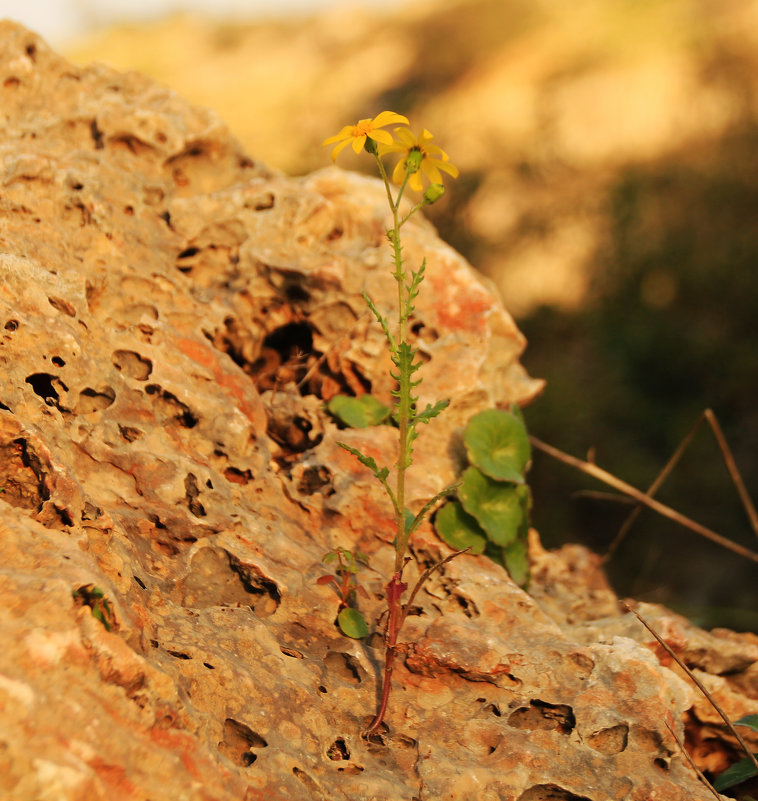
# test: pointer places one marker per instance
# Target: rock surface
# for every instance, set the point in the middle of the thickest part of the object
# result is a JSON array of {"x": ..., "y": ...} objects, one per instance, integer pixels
[{"x": 173, "y": 316}]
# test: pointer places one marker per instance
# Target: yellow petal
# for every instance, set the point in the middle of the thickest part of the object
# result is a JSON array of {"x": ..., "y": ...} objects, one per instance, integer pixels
[
  {"x": 388, "y": 117},
  {"x": 415, "y": 182},
  {"x": 399, "y": 172},
  {"x": 431, "y": 171},
  {"x": 385, "y": 137},
  {"x": 449, "y": 168},
  {"x": 339, "y": 147},
  {"x": 358, "y": 143},
  {"x": 344, "y": 133}
]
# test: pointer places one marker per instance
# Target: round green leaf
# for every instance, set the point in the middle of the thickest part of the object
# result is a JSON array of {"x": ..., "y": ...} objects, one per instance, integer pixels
[
  {"x": 498, "y": 507},
  {"x": 358, "y": 412},
  {"x": 516, "y": 559},
  {"x": 352, "y": 623},
  {"x": 458, "y": 529},
  {"x": 497, "y": 443}
]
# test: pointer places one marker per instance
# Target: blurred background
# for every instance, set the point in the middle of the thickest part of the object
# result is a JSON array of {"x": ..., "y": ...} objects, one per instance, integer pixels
[{"x": 609, "y": 186}]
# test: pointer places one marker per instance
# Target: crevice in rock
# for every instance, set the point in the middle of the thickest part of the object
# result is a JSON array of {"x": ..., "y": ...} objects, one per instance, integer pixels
[
  {"x": 169, "y": 406},
  {"x": 132, "y": 364},
  {"x": 191, "y": 494},
  {"x": 612, "y": 740},
  {"x": 238, "y": 743},
  {"x": 542, "y": 715},
  {"x": 94, "y": 400},
  {"x": 550, "y": 792},
  {"x": 216, "y": 578},
  {"x": 343, "y": 667}
]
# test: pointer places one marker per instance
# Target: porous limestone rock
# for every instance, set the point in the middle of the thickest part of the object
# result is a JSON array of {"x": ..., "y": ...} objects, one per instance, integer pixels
[{"x": 172, "y": 317}]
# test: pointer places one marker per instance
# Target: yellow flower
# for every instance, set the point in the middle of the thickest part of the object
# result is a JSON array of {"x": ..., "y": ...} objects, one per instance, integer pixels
[
  {"x": 419, "y": 156},
  {"x": 365, "y": 129}
]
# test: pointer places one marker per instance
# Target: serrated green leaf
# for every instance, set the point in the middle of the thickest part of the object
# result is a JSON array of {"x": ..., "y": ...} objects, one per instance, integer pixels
[
  {"x": 736, "y": 774},
  {"x": 751, "y": 721},
  {"x": 499, "y": 507},
  {"x": 366, "y": 461},
  {"x": 516, "y": 560},
  {"x": 497, "y": 443},
  {"x": 352, "y": 623},
  {"x": 458, "y": 529},
  {"x": 431, "y": 411},
  {"x": 358, "y": 412}
]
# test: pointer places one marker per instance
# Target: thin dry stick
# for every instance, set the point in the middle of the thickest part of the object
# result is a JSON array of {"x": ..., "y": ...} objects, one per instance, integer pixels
[
  {"x": 726, "y": 454},
  {"x": 654, "y": 487},
  {"x": 689, "y": 759},
  {"x": 731, "y": 466},
  {"x": 698, "y": 683},
  {"x": 608, "y": 478}
]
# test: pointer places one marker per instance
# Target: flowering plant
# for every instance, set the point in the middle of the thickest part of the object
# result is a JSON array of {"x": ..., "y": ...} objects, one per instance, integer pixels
[{"x": 418, "y": 158}]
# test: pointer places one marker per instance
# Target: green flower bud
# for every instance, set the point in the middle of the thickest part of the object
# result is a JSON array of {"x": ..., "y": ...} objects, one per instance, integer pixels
[
  {"x": 370, "y": 146},
  {"x": 433, "y": 193},
  {"x": 413, "y": 162}
]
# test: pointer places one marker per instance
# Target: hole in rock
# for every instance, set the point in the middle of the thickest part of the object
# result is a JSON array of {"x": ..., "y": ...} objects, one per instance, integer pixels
[
  {"x": 313, "y": 479},
  {"x": 129, "y": 433},
  {"x": 188, "y": 253},
  {"x": 140, "y": 582},
  {"x": 291, "y": 652},
  {"x": 132, "y": 364},
  {"x": 238, "y": 742},
  {"x": 11, "y": 325},
  {"x": 541, "y": 715},
  {"x": 21, "y": 475},
  {"x": 191, "y": 494},
  {"x": 178, "y": 654},
  {"x": 235, "y": 476},
  {"x": 217, "y": 578},
  {"x": 338, "y": 750},
  {"x": 127, "y": 141},
  {"x": 58, "y": 362},
  {"x": 31, "y": 51},
  {"x": 283, "y": 356},
  {"x": 168, "y": 405},
  {"x": 343, "y": 666},
  {"x": 93, "y": 400},
  {"x": 61, "y": 305},
  {"x": 43, "y": 386},
  {"x": 612, "y": 740},
  {"x": 661, "y": 763},
  {"x": 208, "y": 665},
  {"x": 312, "y": 785},
  {"x": 550, "y": 792},
  {"x": 11, "y": 81},
  {"x": 261, "y": 202}
]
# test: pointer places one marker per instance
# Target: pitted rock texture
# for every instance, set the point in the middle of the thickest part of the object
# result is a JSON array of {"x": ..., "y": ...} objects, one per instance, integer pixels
[{"x": 173, "y": 316}]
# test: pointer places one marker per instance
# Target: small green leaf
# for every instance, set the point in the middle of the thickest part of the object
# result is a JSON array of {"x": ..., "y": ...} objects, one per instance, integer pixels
[
  {"x": 358, "y": 412},
  {"x": 409, "y": 518},
  {"x": 499, "y": 507},
  {"x": 751, "y": 721},
  {"x": 431, "y": 411},
  {"x": 516, "y": 560},
  {"x": 497, "y": 443},
  {"x": 352, "y": 623},
  {"x": 367, "y": 461},
  {"x": 458, "y": 529},
  {"x": 736, "y": 774}
]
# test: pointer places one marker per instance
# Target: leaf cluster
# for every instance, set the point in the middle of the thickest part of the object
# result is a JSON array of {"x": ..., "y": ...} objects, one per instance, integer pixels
[
  {"x": 744, "y": 769},
  {"x": 491, "y": 514}
]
